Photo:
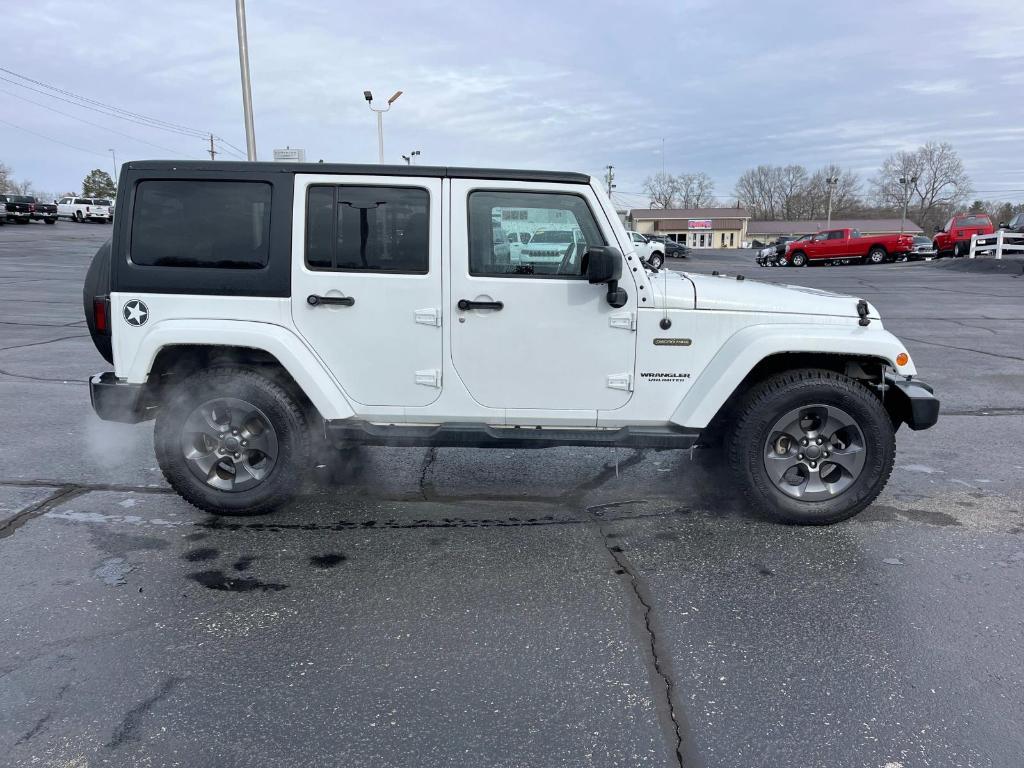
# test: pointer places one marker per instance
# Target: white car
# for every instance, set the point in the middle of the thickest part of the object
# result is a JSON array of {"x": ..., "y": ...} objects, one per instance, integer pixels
[
  {"x": 86, "y": 209},
  {"x": 259, "y": 315},
  {"x": 650, "y": 251}
]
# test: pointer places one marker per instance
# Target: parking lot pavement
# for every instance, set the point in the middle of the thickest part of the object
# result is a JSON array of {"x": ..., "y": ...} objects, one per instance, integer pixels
[{"x": 564, "y": 607}]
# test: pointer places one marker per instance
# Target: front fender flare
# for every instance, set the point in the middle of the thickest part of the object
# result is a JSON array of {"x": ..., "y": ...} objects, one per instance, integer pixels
[
  {"x": 287, "y": 347},
  {"x": 749, "y": 346}
]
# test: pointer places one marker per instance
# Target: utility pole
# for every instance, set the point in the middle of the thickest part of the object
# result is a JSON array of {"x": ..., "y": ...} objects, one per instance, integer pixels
[
  {"x": 213, "y": 152},
  {"x": 609, "y": 179},
  {"x": 113, "y": 154},
  {"x": 243, "y": 60},
  {"x": 831, "y": 181}
]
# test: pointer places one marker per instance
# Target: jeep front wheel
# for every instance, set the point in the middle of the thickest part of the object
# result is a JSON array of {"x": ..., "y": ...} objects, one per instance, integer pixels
[
  {"x": 812, "y": 447},
  {"x": 232, "y": 442}
]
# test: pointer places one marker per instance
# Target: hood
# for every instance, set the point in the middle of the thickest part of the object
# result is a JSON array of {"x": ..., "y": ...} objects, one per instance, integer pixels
[{"x": 727, "y": 293}]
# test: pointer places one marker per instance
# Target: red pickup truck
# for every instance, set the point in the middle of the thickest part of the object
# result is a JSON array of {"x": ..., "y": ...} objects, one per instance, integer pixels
[
  {"x": 835, "y": 245},
  {"x": 955, "y": 237}
]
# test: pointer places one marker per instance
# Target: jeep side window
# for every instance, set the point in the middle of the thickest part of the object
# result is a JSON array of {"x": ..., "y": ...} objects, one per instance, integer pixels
[
  {"x": 371, "y": 229},
  {"x": 561, "y": 227},
  {"x": 191, "y": 223}
]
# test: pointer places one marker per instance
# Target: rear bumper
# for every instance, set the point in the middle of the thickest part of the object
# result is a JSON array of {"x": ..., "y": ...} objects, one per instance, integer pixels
[
  {"x": 912, "y": 403},
  {"x": 117, "y": 400}
]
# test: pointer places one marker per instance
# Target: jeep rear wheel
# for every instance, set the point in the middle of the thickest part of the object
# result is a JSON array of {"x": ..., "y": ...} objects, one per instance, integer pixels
[
  {"x": 232, "y": 442},
  {"x": 812, "y": 447}
]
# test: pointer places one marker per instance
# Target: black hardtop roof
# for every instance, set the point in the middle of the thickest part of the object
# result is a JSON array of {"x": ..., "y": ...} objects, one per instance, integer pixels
[{"x": 435, "y": 171}]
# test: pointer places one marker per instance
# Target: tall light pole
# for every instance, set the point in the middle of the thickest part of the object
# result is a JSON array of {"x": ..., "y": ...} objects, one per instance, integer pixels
[
  {"x": 243, "y": 60},
  {"x": 113, "y": 154},
  {"x": 380, "y": 119},
  {"x": 831, "y": 181},
  {"x": 906, "y": 183}
]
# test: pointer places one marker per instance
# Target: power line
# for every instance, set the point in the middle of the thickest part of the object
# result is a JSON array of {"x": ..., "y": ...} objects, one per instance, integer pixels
[
  {"x": 50, "y": 138},
  {"x": 87, "y": 122},
  {"x": 99, "y": 105}
]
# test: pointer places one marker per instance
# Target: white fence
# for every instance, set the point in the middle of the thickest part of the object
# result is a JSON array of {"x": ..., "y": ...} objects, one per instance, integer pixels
[{"x": 997, "y": 245}]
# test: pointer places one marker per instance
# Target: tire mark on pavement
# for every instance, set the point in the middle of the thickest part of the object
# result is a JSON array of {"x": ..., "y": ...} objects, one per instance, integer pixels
[
  {"x": 41, "y": 343},
  {"x": 125, "y": 730}
]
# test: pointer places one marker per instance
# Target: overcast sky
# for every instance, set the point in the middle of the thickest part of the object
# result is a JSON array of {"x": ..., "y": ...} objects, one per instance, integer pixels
[{"x": 562, "y": 84}]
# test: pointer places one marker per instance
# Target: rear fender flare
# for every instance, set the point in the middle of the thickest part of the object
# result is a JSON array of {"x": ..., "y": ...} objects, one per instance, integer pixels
[
  {"x": 289, "y": 349},
  {"x": 748, "y": 347}
]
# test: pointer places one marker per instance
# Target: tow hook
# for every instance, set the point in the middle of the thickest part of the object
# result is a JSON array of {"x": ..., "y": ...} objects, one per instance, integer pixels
[{"x": 862, "y": 310}]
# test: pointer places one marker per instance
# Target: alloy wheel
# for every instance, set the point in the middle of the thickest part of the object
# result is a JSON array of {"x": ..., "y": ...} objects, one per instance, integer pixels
[
  {"x": 229, "y": 444},
  {"x": 815, "y": 452}
]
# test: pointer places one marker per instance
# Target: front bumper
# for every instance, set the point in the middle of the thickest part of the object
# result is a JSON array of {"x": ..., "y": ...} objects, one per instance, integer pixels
[
  {"x": 911, "y": 402},
  {"x": 116, "y": 400}
]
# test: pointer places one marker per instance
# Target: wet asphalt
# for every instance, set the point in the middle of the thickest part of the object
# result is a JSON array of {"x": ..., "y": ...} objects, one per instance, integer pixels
[{"x": 563, "y": 607}]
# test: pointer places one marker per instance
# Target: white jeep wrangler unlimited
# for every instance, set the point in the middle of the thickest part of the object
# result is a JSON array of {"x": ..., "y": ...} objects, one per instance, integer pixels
[{"x": 261, "y": 310}]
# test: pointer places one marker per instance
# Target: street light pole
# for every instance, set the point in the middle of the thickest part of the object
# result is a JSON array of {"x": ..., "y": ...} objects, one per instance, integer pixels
[
  {"x": 380, "y": 120},
  {"x": 113, "y": 154},
  {"x": 243, "y": 60},
  {"x": 905, "y": 182},
  {"x": 831, "y": 181}
]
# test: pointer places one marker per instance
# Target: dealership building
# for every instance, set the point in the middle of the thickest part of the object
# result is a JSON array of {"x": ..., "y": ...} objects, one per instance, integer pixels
[{"x": 695, "y": 227}]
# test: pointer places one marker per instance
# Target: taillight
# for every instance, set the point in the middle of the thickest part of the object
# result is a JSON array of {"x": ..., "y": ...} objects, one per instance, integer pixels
[{"x": 101, "y": 314}]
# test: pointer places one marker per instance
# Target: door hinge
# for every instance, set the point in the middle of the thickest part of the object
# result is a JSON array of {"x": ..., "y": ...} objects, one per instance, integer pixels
[
  {"x": 428, "y": 316},
  {"x": 624, "y": 320},
  {"x": 621, "y": 381},
  {"x": 431, "y": 378}
]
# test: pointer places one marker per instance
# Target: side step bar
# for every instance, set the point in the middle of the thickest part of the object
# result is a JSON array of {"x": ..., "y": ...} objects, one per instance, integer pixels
[{"x": 458, "y": 435}]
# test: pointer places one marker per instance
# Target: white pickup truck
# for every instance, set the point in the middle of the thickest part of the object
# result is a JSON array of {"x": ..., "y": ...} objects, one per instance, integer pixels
[
  {"x": 650, "y": 251},
  {"x": 86, "y": 209},
  {"x": 259, "y": 310}
]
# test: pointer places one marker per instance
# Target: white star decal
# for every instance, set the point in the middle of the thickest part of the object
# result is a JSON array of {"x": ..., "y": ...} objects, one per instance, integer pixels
[{"x": 135, "y": 312}]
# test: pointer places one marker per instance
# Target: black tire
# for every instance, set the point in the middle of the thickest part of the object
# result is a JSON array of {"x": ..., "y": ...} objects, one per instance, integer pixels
[
  {"x": 281, "y": 411},
  {"x": 657, "y": 260},
  {"x": 798, "y": 259},
  {"x": 78, "y": 217},
  {"x": 957, "y": 251},
  {"x": 110, "y": 220},
  {"x": 22, "y": 221},
  {"x": 50, "y": 221},
  {"x": 767, "y": 402}
]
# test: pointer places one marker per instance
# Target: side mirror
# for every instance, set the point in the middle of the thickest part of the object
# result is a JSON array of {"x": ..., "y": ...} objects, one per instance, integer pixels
[{"x": 603, "y": 266}]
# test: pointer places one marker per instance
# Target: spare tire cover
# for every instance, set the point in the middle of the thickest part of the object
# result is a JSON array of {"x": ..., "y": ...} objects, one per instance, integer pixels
[{"x": 97, "y": 283}]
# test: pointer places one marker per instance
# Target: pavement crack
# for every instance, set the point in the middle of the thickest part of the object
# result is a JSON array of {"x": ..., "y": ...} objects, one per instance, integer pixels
[
  {"x": 125, "y": 730},
  {"x": 41, "y": 343},
  {"x": 62, "y": 494},
  {"x": 428, "y": 462},
  {"x": 964, "y": 349},
  {"x": 661, "y": 677}
]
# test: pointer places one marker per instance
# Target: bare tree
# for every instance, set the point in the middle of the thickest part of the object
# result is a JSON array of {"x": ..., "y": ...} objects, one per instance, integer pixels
[
  {"x": 936, "y": 183},
  {"x": 845, "y": 192},
  {"x": 5, "y": 178},
  {"x": 23, "y": 187},
  {"x": 663, "y": 189},
  {"x": 696, "y": 190},
  {"x": 755, "y": 190}
]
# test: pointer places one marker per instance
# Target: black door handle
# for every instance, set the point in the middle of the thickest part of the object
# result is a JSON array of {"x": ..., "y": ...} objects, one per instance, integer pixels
[
  {"x": 341, "y": 301},
  {"x": 465, "y": 304}
]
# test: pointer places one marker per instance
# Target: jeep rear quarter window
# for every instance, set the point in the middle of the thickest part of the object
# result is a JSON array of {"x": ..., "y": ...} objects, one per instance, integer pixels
[
  {"x": 186, "y": 223},
  {"x": 562, "y": 226},
  {"x": 373, "y": 229}
]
